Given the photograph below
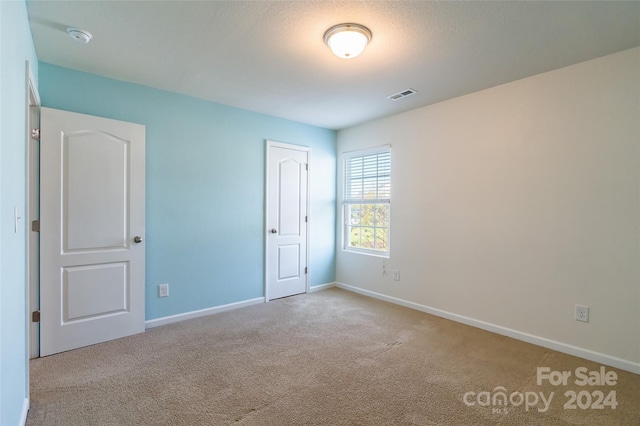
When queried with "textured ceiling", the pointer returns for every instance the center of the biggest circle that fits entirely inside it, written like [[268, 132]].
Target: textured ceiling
[[269, 57]]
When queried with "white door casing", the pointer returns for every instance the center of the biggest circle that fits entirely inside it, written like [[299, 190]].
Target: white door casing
[[33, 214], [92, 198], [287, 201]]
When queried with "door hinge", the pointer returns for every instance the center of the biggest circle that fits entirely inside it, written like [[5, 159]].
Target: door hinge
[[305, 269], [35, 226], [35, 134], [35, 316], [306, 218], [307, 166]]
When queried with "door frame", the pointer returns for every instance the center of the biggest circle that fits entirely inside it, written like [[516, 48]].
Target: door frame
[[32, 209], [273, 144]]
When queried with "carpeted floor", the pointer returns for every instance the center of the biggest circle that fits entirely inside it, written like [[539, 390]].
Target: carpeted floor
[[326, 358]]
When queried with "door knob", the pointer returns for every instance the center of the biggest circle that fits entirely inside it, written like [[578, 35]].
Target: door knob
[[137, 239], [274, 231]]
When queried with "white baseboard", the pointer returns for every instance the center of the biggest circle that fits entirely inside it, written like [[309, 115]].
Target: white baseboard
[[217, 309], [601, 358], [321, 287], [202, 312], [24, 412]]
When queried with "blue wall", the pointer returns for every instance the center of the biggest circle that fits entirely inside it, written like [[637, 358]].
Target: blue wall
[[16, 46], [205, 187]]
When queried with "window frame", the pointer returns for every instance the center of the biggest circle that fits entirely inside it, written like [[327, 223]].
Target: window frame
[[347, 202]]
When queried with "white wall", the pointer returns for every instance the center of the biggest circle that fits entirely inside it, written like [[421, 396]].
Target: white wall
[[512, 204]]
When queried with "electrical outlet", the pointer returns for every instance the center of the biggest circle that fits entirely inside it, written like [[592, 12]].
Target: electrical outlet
[[396, 275], [582, 313], [163, 290]]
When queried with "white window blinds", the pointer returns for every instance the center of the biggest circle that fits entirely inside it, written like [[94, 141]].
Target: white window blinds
[[367, 177]]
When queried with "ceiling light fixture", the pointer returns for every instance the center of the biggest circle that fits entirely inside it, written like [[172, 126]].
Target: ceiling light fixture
[[81, 36], [347, 40]]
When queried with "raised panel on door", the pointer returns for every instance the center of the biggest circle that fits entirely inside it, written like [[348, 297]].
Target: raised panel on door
[[289, 197], [91, 292], [95, 163], [289, 261]]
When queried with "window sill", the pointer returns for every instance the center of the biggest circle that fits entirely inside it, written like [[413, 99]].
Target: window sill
[[366, 253]]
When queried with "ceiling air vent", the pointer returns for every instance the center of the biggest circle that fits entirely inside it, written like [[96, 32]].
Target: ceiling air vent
[[402, 94]]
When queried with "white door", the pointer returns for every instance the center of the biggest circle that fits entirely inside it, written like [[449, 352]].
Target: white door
[[286, 221], [92, 196]]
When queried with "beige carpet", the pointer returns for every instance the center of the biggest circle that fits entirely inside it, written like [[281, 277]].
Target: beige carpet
[[327, 358]]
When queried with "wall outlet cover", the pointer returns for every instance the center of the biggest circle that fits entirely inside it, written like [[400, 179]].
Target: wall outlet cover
[[163, 290], [582, 313]]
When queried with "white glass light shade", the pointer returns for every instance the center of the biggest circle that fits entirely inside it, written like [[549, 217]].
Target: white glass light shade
[[347, 40]]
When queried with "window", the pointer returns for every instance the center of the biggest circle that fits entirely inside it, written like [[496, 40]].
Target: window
[[366, 201]]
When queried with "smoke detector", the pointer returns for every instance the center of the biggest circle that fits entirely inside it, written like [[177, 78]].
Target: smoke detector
[[81, 36]]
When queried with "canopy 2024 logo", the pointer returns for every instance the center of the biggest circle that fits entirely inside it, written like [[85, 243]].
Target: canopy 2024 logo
[[586, 399]]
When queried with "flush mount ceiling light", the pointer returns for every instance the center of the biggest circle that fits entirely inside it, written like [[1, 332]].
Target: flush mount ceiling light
[[81, 36], [347, 40]]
